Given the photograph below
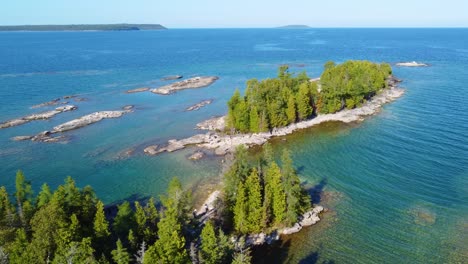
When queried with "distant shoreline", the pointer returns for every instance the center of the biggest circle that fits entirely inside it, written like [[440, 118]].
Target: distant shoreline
[[82, 27]]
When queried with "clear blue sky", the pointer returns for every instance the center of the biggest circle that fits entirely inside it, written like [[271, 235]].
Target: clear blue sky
[[239, 13]]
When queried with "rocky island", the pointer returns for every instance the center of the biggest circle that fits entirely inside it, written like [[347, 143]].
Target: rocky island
[[308, 108], [192, 83], [197, 106], [48, 136], [37, 116]]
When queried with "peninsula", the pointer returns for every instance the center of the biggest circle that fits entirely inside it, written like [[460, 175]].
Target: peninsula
[[84, 27]]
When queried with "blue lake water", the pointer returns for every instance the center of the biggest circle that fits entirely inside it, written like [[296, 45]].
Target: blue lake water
[[396, 184]]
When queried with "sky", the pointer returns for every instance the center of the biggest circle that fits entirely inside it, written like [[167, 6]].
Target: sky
[[239, 13]]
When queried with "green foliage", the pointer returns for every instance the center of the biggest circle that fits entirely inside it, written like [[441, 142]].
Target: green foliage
[[170, 247], [242, 254], [350, 84], [120, 254], [267, 104], [101, 226], [214, 248], [44, 196], [270, 196], [280, 101], [125, 220]]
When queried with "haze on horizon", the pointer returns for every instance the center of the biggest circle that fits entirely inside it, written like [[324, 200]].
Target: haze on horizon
[[240, 13]]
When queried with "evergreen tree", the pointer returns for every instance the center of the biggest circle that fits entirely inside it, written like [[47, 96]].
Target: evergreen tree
[[254, 202], [101, 226], [152, 220], [254, 120], [278, 202], [140, 217], [44, 196], [124, 221], [242, 254], [6, 208], [23, 194], [120, 254], [170, 247], [240, 210], [292, 189], [210, 252], [291, 109], [304, 107]]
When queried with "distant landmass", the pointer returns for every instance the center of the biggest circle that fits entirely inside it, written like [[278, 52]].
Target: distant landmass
[[84, 27], [294, 26]]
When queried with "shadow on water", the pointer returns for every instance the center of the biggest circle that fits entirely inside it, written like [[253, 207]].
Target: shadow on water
[[316, 191], [313, 258], [111, 209], [276, 253]]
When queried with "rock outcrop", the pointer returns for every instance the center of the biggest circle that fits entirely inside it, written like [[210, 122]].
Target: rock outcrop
[[37, 116], [192, 83], [48, 136], [214, 124], [196, 107], [411, 64], [138, 90], [196, 156]]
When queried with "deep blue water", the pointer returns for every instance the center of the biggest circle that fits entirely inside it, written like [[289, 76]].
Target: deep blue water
[[396, 184]]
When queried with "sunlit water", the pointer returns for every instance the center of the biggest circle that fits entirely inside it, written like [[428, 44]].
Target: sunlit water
[[396, 185]]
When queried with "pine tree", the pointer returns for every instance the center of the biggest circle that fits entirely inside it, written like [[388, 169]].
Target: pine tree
[[124, 221], [140, 217], [278, 196], [254, 202], [120, 254], [291, 109], [304, 107], [101, 226], [292, 188], [240, 210], [254, 120], [44, 196], [170, 247], [6, 208], [210, 252], [152, 220], [23, 194], [242, 254]]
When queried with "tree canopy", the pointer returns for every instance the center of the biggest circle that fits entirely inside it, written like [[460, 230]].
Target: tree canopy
[[286, 99]]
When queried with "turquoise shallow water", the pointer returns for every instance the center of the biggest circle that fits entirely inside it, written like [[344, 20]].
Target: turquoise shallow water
[[396, 184]]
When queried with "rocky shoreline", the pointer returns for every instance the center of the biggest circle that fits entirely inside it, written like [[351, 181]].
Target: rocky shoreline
[[192, 83], [222, 143], [48, 136], [197, 106], [38, 116], [209, 209]]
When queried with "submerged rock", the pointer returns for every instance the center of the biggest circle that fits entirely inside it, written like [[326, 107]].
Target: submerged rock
[[411, 64], [37, 116], [151, 150], [199, 105], [192, 83], [138, 90], [21, 138], [171, 77], [53, 102], [197, 155]]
